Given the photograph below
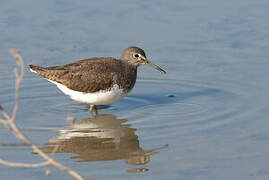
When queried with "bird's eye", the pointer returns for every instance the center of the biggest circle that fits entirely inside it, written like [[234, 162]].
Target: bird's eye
[[136, 55]]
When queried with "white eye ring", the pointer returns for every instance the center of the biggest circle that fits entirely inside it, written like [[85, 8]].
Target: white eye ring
[[137, 55]]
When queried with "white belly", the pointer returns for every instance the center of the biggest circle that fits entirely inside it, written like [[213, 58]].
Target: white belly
[[98, 98]]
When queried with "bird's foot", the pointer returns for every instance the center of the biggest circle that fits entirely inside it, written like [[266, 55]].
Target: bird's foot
[[93, 107]]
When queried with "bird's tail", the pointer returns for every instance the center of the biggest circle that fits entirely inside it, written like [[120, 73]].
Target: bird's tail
[[36, 69]]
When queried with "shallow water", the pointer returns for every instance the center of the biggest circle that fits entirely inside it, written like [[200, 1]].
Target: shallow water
[[207, 118]]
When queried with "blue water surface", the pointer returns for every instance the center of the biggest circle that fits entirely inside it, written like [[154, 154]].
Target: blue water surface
[[207, 118]]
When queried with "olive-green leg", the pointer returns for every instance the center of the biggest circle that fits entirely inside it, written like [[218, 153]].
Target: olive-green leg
[[92, 106]]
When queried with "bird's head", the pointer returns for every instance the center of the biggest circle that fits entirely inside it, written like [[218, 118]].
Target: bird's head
[[136, 56]]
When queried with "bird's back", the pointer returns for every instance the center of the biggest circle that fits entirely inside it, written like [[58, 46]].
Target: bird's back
[[91, 75]]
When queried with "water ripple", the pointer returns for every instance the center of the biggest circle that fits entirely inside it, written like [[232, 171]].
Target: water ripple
[[176, 104]]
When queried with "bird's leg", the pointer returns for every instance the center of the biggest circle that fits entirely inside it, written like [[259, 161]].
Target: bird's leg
[[92, 106], [96, 110]]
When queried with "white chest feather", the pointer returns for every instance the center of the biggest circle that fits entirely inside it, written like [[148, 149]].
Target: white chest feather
[[98, 98]]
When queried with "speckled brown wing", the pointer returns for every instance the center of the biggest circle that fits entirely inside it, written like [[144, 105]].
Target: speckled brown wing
[[89, 75]]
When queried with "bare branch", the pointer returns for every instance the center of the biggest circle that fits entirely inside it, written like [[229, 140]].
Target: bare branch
[[4, 122], [3, 111], [19, 77], [15, 164], [10, 122]]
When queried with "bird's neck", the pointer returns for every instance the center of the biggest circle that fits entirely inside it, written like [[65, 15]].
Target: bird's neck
[[130, 73]]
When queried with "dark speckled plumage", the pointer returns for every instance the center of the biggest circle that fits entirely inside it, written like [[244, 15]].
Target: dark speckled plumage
[[93, 75]]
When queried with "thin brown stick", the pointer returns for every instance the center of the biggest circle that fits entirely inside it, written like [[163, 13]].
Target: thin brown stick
[[15, 164], [3, 111], [10, 122], [19, 77]]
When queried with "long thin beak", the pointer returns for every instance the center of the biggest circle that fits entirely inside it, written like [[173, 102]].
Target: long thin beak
[[154, 66]]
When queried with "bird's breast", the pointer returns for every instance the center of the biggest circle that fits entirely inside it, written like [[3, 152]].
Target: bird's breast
[[102, 97]]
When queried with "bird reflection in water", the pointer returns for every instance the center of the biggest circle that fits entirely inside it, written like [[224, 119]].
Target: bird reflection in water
[[101, 138]]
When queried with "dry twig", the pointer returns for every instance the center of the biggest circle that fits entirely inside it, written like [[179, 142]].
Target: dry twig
[[9, 121]]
